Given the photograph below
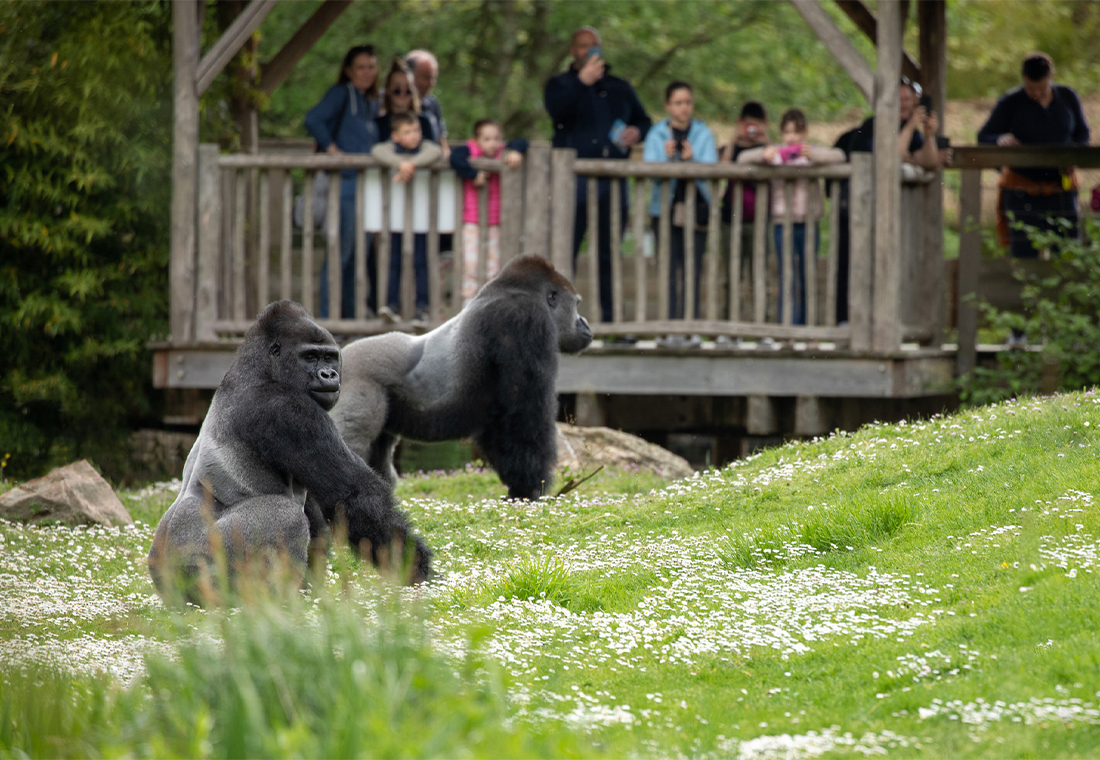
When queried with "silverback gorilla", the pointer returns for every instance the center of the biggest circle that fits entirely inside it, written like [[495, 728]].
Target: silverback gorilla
[[266, 443], [488, 373]]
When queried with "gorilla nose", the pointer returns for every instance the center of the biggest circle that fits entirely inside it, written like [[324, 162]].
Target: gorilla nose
[[329, 376], [582, 325]]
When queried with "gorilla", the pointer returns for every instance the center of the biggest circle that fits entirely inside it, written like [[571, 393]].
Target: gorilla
[[265, 444], [487, 373]]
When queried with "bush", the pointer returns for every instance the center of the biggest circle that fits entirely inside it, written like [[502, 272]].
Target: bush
[[1061, 313], [85, 120]]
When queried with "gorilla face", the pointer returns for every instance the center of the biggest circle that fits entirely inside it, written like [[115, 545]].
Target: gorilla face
[[304, 356], [574, 334]]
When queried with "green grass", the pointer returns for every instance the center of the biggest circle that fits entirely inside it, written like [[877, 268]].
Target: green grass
[[929, 588]]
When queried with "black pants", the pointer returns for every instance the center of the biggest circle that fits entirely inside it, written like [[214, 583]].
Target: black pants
[[1043, 212], [603, 233], [677, 268]]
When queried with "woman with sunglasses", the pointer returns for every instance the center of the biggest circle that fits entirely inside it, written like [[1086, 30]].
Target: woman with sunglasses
[[399, 95], [344, 122]]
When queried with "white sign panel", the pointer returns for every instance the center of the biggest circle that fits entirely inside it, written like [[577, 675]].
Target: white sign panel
[[447, 200]]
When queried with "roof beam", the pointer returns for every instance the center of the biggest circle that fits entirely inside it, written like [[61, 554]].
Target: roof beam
[[274, 72], [222, 52], [839, 45], [866, 22]]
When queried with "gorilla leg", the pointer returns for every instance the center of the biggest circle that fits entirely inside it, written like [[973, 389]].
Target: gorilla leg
[[524, 462], [381, 456]]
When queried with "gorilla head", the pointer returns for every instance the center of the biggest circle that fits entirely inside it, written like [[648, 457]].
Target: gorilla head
[[265, 445], [487, 373]]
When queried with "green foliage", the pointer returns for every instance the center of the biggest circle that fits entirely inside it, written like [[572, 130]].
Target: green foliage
[[84, 129], [1061, 312]]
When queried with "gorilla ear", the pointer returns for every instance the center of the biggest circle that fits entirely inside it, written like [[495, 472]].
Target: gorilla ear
[[552, 297], [275, 348]]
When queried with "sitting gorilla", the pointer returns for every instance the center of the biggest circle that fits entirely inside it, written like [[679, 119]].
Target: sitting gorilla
[[267, 442], [488, 373]]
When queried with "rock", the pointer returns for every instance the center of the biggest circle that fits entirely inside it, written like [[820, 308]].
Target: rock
[[73, 495], [583, 449]]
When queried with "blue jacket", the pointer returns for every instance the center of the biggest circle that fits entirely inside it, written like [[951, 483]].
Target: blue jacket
[[358, 132], [584, 114], [702, 148]]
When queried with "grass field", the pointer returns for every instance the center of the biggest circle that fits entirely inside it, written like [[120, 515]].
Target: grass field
[[922, 590]]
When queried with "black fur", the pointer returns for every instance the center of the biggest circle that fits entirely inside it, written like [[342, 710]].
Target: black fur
[[267, 442], [488, 373]]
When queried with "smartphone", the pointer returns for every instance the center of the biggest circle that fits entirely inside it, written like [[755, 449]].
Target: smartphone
[[926, 101], [595, 51], [942, 141]]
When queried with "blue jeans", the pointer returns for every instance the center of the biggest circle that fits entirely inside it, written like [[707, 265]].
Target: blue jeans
[[347, 259], [420, 268], [798, 261]]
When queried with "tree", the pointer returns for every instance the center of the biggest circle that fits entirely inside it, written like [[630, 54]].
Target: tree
[[85, 135]]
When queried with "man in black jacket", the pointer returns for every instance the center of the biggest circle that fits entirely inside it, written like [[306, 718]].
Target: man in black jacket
[[601, 117]]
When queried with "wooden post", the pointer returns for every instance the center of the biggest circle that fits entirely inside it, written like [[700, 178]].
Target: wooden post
[[885, 331], [860, 258], [186, 38], [563, 209], [970, 257], [536, 215], [932, 21], [210, 230]]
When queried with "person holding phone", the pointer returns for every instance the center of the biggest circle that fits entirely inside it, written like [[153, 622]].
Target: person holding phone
[[600, 116], [916, 132]]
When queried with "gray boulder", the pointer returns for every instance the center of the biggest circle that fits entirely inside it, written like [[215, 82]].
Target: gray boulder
[[72, 495], [585, 448]]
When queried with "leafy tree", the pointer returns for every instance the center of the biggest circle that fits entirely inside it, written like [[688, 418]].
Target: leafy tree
[[85, 136]]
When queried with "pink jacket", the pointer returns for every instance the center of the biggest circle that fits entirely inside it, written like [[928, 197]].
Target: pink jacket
[[805, 196], [470, 203]]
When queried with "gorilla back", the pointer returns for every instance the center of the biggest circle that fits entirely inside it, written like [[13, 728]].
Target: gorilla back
[[488, 372], [265, 444]]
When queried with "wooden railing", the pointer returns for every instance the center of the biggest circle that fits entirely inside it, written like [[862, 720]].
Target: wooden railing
[[249, 253]]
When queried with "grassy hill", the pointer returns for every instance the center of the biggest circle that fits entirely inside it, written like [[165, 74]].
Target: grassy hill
[[922, 589]]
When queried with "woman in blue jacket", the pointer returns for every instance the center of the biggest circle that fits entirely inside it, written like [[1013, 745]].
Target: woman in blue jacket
[[343, 122], [681, 138]]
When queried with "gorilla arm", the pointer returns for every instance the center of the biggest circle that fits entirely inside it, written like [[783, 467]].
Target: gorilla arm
[[296, 437]]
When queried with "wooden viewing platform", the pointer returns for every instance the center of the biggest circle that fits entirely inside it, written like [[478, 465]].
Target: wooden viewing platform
[[234, 249]]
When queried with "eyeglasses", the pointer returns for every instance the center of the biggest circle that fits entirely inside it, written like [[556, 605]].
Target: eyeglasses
[[915, 86]]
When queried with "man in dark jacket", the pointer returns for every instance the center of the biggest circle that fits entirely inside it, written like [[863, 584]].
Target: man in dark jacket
[[601, 117]]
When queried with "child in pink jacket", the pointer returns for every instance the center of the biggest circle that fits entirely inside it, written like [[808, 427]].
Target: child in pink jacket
[[488, 142], [806, 206]]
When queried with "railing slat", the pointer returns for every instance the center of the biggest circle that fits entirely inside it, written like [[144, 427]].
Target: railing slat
[[712, 254], [385, 241], [735, 250], [970, 254], [536, 211], [210, 248], [664, 247], [239, 225], [687, 301], [263, 254], [435, 284], [361, 286], [786, 285], [616, 251], [641, 214], [810, 255], [307, 243], [482, 268], [286, 239], [459, 246], [511, 213], [759, 253], [332, 239], [834, 257], [595, 313], [407, 285], [861, 247]]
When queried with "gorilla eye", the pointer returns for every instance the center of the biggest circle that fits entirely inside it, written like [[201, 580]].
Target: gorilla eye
[[275, 349], [552, 297]]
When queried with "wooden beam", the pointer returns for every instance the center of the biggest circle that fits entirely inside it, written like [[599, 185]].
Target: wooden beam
[[186, 39], [932, 24], [866, 22], [838, 44], [222, 52], [970, 258], [885, 330], [274, 72]]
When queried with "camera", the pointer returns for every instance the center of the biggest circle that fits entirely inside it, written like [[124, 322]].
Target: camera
[[788, 152], [926, 101]]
